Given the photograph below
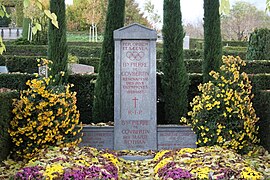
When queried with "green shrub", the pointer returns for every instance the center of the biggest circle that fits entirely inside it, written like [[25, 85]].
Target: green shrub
[[5, 117], [241, 54], [193, 54], [41, 50], [235, 43], [22, 64], [89, 44], [44, 115], [15, 80], [2, 60], [259, 45], [257, 66], [262, 107], [21, 41], [85, 51], [260, 81], [234, 48], [84, 86], [25, 50], [222, 113], [196, 43]]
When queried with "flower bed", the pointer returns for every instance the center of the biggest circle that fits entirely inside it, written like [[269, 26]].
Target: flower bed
[[86, 162]]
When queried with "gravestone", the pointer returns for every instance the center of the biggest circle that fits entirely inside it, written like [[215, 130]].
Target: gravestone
[[186, 42], [43, 71], [80, 69], [3, 69], [135, 88]]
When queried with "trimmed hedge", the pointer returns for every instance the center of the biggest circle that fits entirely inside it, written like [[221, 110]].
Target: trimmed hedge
[[5, 117], [241, 54], [84, 86], [198, 43], [41, 50], [15, 80], [84, 51], [89, 44], [22, 64], [262, 107], [235, 48], [235, 43], [28, 64], [260, 81], [26, 50], [94, 51]]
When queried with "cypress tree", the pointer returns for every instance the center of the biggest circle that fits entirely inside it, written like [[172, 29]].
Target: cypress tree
[[57, 41], [175, 81], [212, 38], [103, 109]]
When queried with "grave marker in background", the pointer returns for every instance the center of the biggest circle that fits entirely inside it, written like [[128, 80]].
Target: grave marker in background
[[135, 88]]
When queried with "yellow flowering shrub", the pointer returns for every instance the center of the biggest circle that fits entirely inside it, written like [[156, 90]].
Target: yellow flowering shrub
[[44, 115], [223, 113]]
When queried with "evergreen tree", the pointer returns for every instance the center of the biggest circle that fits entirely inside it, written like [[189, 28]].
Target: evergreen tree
[[103, 109], [175, 81], [212, 38], [57, 41]]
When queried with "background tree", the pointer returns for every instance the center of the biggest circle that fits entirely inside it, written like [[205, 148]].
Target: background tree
[[36, 15], [194, 29], [81, 14], [103, 109], [57, 42], [175, 81], [133, 14], [212, 38], [153, 15], [242, 19]]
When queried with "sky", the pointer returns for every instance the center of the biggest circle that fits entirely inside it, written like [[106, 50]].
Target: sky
[[192, 10]]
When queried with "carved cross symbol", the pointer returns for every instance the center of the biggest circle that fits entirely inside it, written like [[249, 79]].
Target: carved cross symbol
[[135, 101]]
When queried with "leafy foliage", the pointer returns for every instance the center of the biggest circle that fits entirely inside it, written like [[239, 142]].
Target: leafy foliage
[[259, 45], [223, 113], [240, 22], [175, 80], [44, 115]]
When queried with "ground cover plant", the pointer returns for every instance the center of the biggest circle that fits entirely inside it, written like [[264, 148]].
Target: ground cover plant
[[89, 163]]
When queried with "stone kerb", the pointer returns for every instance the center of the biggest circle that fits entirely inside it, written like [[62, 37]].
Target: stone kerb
[[135, 88]]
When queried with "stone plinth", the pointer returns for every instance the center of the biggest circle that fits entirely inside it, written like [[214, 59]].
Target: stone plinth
[[135, 88]]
